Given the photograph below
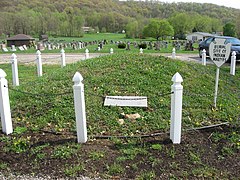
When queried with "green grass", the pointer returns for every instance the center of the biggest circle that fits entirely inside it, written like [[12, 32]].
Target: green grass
[[122, 74], [47, 105]]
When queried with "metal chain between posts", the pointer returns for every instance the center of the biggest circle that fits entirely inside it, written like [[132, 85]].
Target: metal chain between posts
[[127, 99], [136, 136], [41, 95], [51, 58], [25, 62]]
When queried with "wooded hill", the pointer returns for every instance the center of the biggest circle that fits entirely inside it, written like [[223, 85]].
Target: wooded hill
[[66, 17]]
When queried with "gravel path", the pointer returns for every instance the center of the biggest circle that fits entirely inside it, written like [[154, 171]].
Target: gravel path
[[47, 58]]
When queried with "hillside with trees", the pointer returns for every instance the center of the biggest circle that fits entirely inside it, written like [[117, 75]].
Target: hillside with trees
[[67, 17]]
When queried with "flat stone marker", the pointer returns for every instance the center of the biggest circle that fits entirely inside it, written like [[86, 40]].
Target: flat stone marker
[[130, 101]]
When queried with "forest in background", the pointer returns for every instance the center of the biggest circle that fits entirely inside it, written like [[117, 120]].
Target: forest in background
[[67, 17]]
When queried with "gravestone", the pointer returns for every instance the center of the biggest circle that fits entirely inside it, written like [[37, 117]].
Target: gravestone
[[13, 48], [21, 48], [25, 47], [130, 101], [5, 49]]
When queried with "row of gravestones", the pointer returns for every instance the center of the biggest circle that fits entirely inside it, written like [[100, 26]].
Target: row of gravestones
[[80, 45], [13, 48]]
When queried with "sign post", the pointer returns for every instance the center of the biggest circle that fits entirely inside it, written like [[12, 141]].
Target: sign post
[[219, 53]]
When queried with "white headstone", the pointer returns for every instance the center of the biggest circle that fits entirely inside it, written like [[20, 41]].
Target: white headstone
[[130, 101]]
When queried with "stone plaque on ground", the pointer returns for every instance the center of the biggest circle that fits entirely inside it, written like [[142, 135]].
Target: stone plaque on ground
[[130, 101]]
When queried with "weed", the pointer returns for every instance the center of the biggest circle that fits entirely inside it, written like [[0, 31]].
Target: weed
[[96, 155], [72, 170], [3, 166], [18, 145], [204, 172], [131, 152], [147, 175], [38, 151], [154, 161], [63, 152], [171, 152], [157, 147], [226, 151], [115, 169], [194, 158], [20, 130]]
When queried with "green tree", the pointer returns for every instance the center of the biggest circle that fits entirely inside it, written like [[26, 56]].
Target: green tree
[[229, 29], [134, 29], [182, 24], [238, 25], [158, 29]]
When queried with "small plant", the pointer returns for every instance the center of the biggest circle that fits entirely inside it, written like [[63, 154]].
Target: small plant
[[115, 169], [147, 175], [171, 152], [157, 147], [226, 151], [63, 152], [96, 155], [73, 170], [131, 152], [37, 151], [20, 130], [3, 166], [18, 145], [194, 158]]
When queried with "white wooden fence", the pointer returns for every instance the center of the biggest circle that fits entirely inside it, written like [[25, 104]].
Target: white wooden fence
[[80, 112]]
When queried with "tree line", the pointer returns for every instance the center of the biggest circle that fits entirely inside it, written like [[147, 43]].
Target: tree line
[[67, 17]]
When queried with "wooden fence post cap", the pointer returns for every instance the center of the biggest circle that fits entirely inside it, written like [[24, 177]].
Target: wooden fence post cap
[[62, 50], [177, 78], [2, 74], [77, 78]]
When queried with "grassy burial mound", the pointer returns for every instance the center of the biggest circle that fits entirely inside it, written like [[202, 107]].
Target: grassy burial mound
[[44, 121]]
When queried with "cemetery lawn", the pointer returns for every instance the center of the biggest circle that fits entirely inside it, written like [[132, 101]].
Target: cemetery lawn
[[121, 147]]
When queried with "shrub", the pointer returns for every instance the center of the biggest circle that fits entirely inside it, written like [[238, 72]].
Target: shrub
[[143, 46], [122, 45]]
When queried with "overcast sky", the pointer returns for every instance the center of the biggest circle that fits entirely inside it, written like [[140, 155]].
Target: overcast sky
[[228, 3]]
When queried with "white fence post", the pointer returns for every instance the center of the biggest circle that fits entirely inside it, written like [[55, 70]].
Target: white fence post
[[15, 78], [176, 109], [233, 63], [141, 50], [111, 51], [173, 53], [204, 57], [86, 54], [39, 63], [79, 104], [5, 105], [63, 58]]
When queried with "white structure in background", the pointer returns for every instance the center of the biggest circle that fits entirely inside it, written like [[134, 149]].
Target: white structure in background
[[198, 36]]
